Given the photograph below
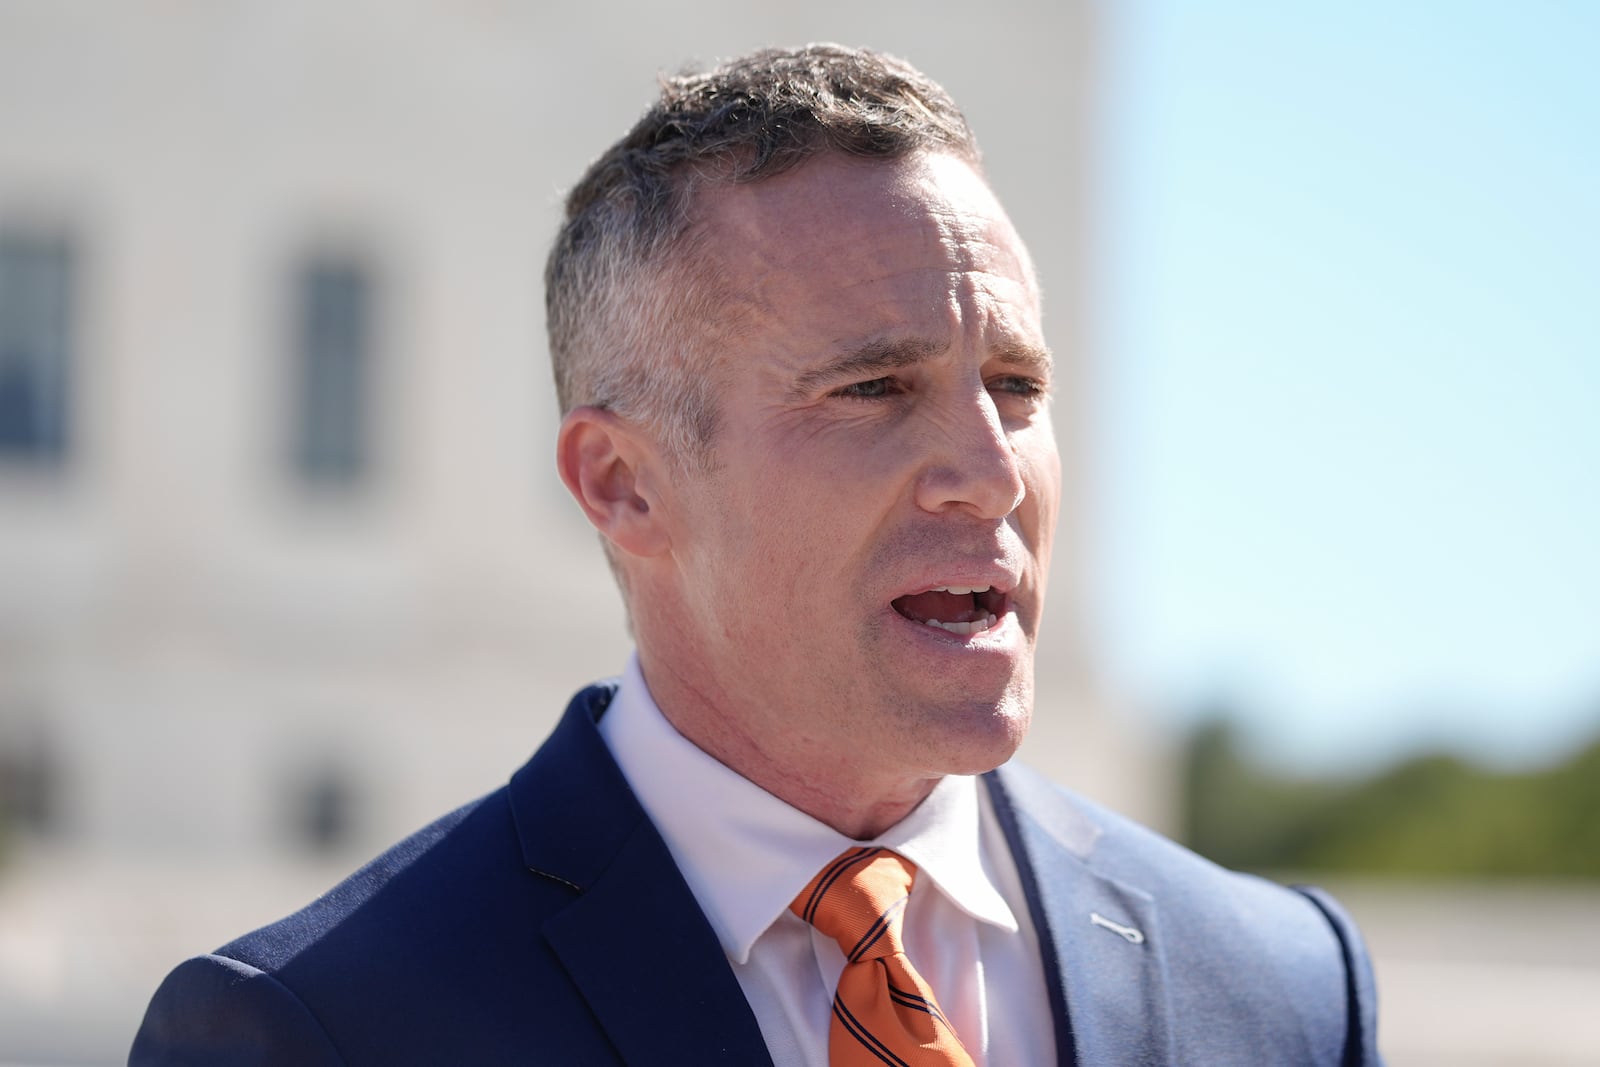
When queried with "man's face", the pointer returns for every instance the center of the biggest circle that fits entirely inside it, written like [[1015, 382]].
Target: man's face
[[857, 583]]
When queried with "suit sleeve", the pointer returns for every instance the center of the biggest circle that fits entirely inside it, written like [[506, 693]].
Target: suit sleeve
[[219, 1012], [1361, 995]]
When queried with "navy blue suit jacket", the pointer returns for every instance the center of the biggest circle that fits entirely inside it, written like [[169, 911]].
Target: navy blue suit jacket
[[548, 924]]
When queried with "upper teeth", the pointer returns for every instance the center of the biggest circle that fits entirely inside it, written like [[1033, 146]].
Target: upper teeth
[[961, 590]]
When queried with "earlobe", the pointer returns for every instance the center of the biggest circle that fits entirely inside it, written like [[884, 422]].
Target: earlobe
[[609, 468]]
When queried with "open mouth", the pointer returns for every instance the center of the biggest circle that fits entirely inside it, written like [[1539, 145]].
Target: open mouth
[[959, 609]]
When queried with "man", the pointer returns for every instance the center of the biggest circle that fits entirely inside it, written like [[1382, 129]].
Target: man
[[798, 347]]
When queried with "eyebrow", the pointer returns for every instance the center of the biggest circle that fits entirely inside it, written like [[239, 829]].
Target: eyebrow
[[875, 357], [867, 360], [1032, 356]]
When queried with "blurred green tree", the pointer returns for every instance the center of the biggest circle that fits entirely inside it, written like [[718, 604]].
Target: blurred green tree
[[1431, 815]]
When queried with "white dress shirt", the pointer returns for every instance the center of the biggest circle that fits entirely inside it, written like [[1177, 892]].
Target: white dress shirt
[[746, 854]]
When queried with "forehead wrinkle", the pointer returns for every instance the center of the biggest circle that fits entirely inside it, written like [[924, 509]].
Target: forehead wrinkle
[[967, 242]]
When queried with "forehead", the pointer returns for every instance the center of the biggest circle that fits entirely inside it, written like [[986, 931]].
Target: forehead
[[843, 251]]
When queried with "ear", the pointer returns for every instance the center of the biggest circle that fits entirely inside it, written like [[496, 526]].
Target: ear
[[612, 470]]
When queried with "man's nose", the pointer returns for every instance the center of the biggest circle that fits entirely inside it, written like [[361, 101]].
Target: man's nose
[[973, 465]]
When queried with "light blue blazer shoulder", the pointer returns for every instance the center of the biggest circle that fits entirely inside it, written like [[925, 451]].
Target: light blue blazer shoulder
[[547, 924]]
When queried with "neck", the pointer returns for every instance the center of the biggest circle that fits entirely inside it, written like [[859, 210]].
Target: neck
[[838, 789]]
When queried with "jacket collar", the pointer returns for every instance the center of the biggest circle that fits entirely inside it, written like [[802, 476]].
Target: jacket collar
[[648, 963]]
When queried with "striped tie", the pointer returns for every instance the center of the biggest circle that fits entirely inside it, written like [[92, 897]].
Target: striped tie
[[883, 1012]]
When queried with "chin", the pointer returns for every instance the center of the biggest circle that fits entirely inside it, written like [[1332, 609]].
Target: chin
[[976, 738]]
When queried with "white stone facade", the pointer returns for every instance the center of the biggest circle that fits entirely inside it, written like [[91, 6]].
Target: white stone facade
[[192, 636]]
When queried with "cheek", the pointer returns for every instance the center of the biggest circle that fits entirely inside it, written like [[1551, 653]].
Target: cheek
[[1042, 475], [794, 510], [767, 528], [1050, 483]]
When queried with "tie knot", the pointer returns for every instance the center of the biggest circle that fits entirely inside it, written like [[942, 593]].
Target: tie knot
[[858, 900]]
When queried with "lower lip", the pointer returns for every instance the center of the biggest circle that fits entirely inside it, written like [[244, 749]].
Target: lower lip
[[1005, 630]]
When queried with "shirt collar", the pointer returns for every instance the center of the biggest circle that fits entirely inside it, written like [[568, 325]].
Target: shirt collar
[[746, 854]]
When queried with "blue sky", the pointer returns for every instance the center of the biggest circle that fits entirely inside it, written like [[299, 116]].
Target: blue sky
[[1349, 341]]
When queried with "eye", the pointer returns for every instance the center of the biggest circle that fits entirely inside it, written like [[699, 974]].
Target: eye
[[872, 389], [1019, 385]]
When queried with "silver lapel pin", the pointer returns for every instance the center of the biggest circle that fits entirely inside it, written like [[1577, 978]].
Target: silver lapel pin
[[1127, 933]]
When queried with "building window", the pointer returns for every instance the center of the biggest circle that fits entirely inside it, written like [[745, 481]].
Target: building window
[[36, 279], [333, 372]]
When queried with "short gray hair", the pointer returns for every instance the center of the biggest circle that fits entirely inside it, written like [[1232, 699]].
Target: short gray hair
[[631, 294]]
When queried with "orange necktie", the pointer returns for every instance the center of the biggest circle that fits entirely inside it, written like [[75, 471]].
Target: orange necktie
[[883, 1012]]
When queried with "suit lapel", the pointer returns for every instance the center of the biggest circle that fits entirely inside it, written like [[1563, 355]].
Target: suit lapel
[[650, 967], [634, 940], [1102, 949]]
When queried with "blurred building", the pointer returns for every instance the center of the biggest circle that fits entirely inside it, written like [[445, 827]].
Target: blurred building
[[284, 568]]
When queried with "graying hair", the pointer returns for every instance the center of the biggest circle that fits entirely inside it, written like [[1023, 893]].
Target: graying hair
[[631, 295]]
